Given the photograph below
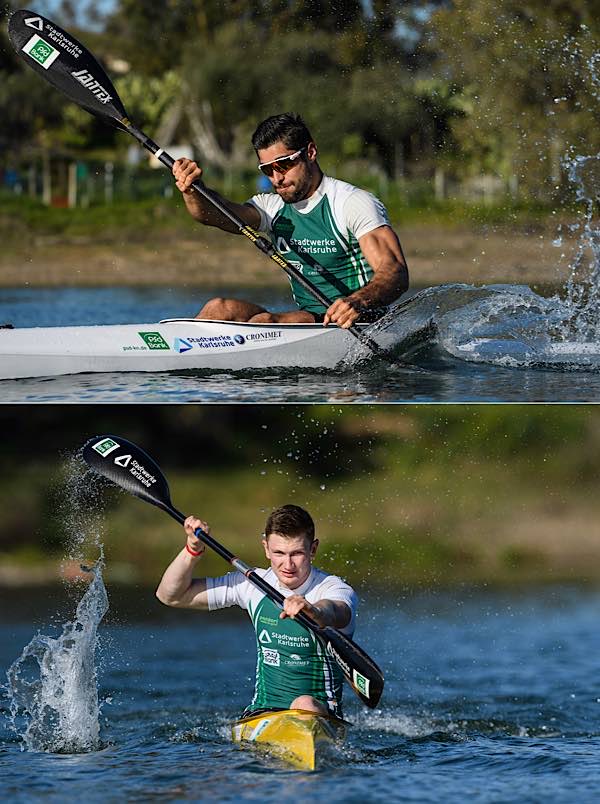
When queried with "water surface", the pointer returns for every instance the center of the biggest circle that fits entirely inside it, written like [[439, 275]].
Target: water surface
[[490, 697], [455, 343]]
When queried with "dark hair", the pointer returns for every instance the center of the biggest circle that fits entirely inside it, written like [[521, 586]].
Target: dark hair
[[290, 521], [288, 128]]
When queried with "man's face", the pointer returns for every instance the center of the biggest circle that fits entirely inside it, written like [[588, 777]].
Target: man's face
[[294, 185], [290, 557]]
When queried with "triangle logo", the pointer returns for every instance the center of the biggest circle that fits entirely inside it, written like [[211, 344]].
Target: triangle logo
[[35, 22], [123, 460], [264, 637], [282, 246], [181, 345]]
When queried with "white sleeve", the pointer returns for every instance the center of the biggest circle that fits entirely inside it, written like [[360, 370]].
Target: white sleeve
[[334, 588], [364, 212], [228, 590], [267, 204]]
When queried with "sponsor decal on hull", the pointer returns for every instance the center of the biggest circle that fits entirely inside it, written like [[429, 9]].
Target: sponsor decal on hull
[[213, 341], [268, 335], [154, 340], [181, 345]]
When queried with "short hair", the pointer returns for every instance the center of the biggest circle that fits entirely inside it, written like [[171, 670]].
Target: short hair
[[290, 521], [288, 128]]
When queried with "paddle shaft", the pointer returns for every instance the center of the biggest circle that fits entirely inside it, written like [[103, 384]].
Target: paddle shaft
[[242, 567], [263, 243]]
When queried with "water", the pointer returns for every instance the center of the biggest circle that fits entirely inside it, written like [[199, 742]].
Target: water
[[52, 685], [491, 696], [459, 343]]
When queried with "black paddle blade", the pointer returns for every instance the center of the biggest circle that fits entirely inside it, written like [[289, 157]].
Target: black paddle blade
[[66, 64], [360, 671], [129, 467]]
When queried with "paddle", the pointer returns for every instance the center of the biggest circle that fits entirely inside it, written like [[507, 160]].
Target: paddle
[[129, 467], [69, 66]]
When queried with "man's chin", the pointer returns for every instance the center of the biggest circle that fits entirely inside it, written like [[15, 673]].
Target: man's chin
[[290, 196]]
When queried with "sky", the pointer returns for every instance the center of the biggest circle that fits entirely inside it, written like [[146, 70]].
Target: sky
[[48, 7]]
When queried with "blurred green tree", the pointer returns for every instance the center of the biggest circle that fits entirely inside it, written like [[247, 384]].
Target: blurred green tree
[[527, 90]]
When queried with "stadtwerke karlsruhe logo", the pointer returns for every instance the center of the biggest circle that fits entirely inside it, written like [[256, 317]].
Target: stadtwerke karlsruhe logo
[[181, 345], [39, 50]]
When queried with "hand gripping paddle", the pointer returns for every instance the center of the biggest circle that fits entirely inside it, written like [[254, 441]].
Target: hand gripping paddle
[[63, 61], [129, 467]]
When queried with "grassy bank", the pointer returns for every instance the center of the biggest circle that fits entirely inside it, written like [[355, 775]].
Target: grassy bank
[[156, 243], [402, 498]]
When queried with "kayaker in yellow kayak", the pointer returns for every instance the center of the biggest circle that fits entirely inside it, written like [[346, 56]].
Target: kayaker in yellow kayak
[[338, 235], [293, 671]]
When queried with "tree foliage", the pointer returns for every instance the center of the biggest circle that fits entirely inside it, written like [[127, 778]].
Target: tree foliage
[[526, 87], [490, 87]]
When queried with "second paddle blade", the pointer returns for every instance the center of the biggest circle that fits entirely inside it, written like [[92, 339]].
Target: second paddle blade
[[129, 467], [361, 672]]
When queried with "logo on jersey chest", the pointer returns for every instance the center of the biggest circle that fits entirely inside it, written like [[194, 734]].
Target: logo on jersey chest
[[264, 637], [271, 657]]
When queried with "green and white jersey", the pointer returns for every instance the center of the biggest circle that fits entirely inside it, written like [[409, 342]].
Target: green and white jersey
[[290, 660], [320, 235]]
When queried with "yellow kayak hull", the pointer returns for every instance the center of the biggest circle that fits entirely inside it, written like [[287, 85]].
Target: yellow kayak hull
[[296, 736]]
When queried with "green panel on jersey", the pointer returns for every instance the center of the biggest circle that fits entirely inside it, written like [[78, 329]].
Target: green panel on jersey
[[310, 241], [291, 662]]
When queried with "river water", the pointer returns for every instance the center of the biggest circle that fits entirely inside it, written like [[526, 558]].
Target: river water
[[457, 343], [491, 697]]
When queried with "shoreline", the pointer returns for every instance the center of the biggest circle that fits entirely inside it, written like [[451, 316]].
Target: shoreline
[[435, 254]]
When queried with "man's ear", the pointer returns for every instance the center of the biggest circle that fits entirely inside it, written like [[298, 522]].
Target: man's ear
[[265, 544], [313, 548]]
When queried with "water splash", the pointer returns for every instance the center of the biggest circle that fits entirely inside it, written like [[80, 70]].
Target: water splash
[[52, 686], [582, 300]]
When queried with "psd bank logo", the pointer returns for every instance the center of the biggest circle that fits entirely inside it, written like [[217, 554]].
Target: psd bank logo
[[239, 339], [181, 345]]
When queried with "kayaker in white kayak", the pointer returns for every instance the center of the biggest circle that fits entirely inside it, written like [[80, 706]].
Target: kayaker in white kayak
[[293, 672], [337, 235]]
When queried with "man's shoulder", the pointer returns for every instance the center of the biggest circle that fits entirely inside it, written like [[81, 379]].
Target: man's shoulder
[[343, 188], [266, 202], [322, 578], [333, 186]]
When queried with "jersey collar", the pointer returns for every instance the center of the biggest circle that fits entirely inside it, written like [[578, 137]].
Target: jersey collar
[[308, 204], [300, 590]]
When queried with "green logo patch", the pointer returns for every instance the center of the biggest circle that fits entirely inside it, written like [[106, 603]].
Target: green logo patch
[[41, 51], [105, 446], [361, 683], [154, 340]]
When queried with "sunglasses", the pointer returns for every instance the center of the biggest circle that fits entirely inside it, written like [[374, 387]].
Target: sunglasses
[[282, 164]]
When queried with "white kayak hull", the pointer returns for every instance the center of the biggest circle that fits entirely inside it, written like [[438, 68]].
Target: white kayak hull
[[170, 345]]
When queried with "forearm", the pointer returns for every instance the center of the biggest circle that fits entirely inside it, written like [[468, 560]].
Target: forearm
[[178, 588], [389, 282], [206, 213], [332, 613]]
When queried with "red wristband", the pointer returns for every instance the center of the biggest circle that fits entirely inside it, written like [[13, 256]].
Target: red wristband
[[191, 552]]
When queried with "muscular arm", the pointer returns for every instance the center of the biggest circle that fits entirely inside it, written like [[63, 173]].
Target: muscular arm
[[177, 587], [382, 250], [324, 612], [186, 172]]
